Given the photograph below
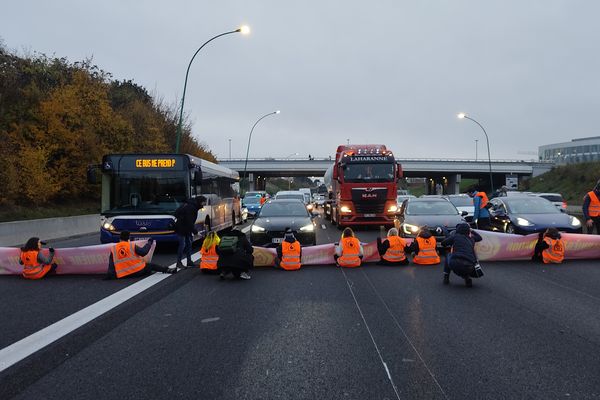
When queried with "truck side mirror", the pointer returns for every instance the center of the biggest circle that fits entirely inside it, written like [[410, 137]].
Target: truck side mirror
[[399, 173]]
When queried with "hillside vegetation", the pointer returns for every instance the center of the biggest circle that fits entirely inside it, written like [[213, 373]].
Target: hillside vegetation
[[56, 117], [573, 181]]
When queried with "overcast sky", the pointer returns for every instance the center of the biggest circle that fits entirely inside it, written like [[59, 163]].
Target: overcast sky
[[392, 72]]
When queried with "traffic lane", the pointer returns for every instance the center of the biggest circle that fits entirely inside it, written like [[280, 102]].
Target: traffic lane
[[492, 340], [281, 335]]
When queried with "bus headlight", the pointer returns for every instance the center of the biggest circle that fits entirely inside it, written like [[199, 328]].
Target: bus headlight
[[575, 221], [108, 226], [345, 209], [308, 228], [257, 229], [410, 229]]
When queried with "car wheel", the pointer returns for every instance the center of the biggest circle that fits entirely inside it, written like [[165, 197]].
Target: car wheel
[[510, 228]]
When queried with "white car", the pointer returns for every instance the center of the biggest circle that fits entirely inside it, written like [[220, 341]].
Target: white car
[[294, 194], [463, 202], [554, 198]]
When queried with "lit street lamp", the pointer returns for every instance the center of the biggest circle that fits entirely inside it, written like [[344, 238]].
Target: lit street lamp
[[244, 30], [463, 116], [250, 137]]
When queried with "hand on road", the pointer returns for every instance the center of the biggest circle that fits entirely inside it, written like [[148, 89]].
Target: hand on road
[[589, 223]]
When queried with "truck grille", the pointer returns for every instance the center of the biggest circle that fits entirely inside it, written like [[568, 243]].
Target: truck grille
[[369, 201]]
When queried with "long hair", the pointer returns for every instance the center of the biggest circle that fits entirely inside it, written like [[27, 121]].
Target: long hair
[[212, 239], [32, 244], [348, 232]]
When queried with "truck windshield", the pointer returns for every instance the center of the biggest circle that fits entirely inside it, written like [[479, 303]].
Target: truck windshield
[[376, 172], [147, 192]]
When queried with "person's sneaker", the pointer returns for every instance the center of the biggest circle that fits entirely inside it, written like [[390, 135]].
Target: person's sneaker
[[468, 282], [172, 270], [446, 279], [180, 265], [245, 275]]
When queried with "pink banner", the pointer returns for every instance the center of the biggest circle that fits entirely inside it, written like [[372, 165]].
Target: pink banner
[[76, 260]]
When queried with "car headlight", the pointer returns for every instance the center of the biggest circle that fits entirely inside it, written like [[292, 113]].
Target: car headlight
[[256, 228], [345, 209], [309, 206], [523, 222], [308, 228], [393, 208], [410, 229], [108, 226], [575, 221]]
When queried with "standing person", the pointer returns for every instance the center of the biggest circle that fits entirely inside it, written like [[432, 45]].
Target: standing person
[[349, 252], [591, 209], [185, 228], [549, 248], [235, 255], [35, 264], [210, 258], [392, 249], [127, 259], [289, 252], [424, 248], [481, 214], [462, 259], [263, 199]]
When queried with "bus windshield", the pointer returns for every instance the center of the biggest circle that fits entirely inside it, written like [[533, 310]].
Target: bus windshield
[[373, 172], [144, 192]]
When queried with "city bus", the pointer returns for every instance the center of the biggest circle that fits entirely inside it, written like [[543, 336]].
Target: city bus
[[140, 193]]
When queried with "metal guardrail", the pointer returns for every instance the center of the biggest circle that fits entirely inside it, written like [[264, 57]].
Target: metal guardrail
[[545, 162]]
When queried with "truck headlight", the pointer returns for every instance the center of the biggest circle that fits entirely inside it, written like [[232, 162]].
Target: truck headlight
[[410, 229], [345, 209], [523, 222], [393, 208], [256, 228]]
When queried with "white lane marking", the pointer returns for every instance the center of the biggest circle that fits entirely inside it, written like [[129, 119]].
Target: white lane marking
[[371, 335], [246, 229], [213, 319], [17, 351], [405, 334]]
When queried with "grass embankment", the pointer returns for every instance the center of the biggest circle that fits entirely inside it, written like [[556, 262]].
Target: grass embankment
[[20, 213], [572, 181]]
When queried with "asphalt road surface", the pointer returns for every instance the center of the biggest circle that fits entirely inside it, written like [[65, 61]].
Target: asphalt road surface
[[523, 331]]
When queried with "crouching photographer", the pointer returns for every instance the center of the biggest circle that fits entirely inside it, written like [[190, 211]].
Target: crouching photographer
[[462, 259]]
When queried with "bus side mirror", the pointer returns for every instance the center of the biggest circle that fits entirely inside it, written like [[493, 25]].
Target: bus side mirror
[[91, 174], [198, 178]]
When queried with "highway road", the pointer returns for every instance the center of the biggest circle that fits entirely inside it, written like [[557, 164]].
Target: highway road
[[523, 331]]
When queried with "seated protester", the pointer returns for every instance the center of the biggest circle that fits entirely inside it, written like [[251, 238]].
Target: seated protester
[[349, 252], [424, 248], [126, 259], [208, 251], [35, 264], [392, 249], [549, 248], [235, 255], [462, 259], [289, 252]]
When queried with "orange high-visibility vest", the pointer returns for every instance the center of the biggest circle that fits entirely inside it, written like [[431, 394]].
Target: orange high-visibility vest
[[594, 207], [484, 199], [555, 254], [125, 260], [290, 256], [31, 268], [350, 253], [263, 200], [395, 252], [427, 254], [209, 258]]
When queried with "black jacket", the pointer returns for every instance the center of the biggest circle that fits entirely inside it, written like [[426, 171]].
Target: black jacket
[[463, 241], [186, 216], [242, 258]]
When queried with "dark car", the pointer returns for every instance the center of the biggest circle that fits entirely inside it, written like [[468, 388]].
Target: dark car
[[439, 214], [275, 216], [529, 214]]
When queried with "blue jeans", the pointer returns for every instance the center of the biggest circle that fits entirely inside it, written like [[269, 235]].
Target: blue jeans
[[185, 246]]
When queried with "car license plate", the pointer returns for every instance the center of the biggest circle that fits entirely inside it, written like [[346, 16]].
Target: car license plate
[[277, 240], [369, 215]]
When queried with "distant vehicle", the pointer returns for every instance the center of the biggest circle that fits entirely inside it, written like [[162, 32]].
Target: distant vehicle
[[140, 193], [554, 198], [463, 202], [290, 195], [244, 214], [252, 204], [275, 216], [440, 216], [529, 214], [402, 192], [400, 198], [318, 199], [363, 182], [307, 194]]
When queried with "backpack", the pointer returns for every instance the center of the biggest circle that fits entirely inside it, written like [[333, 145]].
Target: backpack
[[228, 245]]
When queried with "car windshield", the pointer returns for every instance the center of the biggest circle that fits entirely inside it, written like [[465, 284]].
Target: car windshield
[[290, 197], [251, 200], [377, 172], [552, 197], [284, 209], [431, 208], [461, 201], [531, 205]]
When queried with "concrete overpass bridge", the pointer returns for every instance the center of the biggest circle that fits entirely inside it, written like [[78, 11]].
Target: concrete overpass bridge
[[448, 172]]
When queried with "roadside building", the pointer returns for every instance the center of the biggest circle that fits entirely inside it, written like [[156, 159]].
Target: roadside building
[[575, 151]]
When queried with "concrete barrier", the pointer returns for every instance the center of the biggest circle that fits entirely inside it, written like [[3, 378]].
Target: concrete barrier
[[16, 233]]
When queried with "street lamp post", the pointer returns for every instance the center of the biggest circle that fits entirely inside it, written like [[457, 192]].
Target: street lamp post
[[487, 139], [230, 149], [244, 30], [476, 148], [250, 137]]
